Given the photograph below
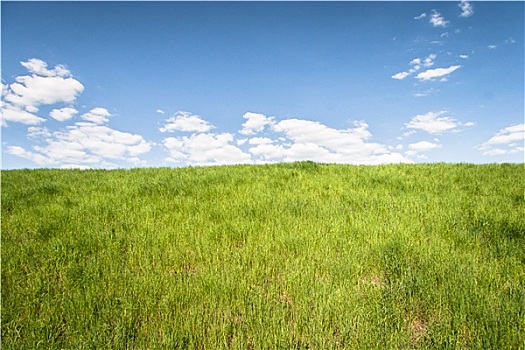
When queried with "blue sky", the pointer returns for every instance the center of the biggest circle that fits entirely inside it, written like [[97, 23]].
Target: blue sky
[[134, 84]]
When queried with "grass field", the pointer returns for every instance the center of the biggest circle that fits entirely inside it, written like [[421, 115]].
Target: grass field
[[284, 256]]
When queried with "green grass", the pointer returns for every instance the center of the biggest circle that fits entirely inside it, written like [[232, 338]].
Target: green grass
[[302, 256]]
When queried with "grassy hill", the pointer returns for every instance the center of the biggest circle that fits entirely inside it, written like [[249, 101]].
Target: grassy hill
[[281, 256]]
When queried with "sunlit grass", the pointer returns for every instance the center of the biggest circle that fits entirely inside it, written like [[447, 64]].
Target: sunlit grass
[[281, 256]]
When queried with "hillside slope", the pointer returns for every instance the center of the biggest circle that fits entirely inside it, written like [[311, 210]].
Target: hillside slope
[[281, 256]]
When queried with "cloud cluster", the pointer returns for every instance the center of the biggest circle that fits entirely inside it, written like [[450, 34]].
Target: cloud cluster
[[416, 64], [271, 140], [44, 86], [508, 140], [427, 75], [86, 143]]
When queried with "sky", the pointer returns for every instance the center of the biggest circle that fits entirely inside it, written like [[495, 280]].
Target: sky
[[156, 84]]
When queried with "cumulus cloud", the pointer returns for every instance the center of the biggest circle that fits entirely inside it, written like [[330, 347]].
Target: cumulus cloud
[[34, 90], [36, 132], [185, 121], [32, 156], [205, 149], [39, 67], [255, 123], [280, 140], [435, 123], [421, 16], [63, 114], [421, 147], [437, 20], [11, 113], [89, 143], [310, 140], [97, 115], [83, 143], [508, 140], [467, 9], [432, 74], [43, 87], [400, 75]]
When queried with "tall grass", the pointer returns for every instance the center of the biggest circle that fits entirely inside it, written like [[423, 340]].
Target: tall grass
[[281, 256]]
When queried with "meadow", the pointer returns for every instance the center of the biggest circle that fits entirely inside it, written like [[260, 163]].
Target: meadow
[[284, 256]]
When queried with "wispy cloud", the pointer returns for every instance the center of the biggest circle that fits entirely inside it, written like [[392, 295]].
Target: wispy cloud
[[432, 74], [508, 140], [421, 16], [416, 149], [492, 47], [467, 9], [416, 64], [435, 123]]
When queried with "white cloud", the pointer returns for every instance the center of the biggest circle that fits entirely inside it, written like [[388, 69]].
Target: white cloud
[[97, 115], [255, 123], [416, 65], [44, 87], [22, 153], [421, 147], [466, 8], [285, 140], [160, 111], [429, 61], [423, 93], [83, 143], [36, 132], [63, 114], [260, 141], [437, 20], [15, 114], [508, 140], [36, 90], [39, 67], [433, 123], [184, 121], [431, 74], [401, 75], [309, 140], [463, 56], [205, 149], [421, 16], [492, 47]]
